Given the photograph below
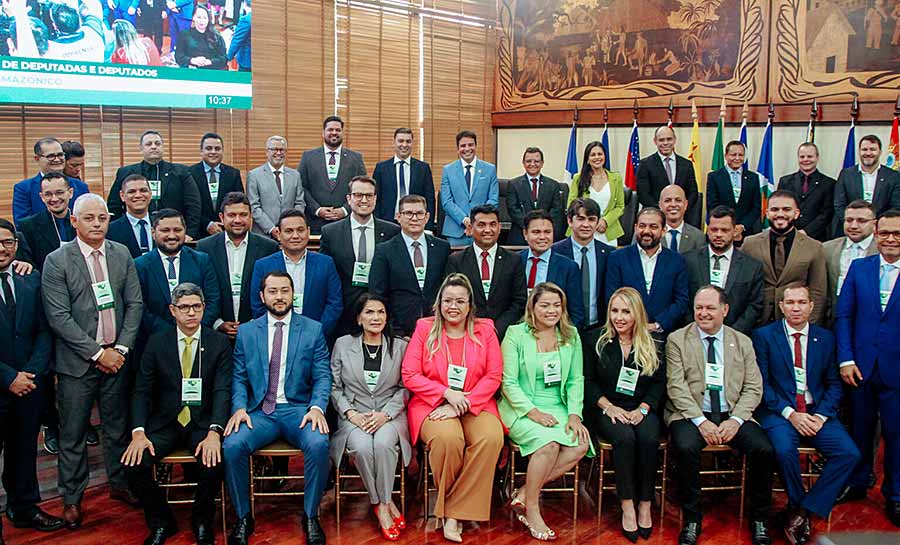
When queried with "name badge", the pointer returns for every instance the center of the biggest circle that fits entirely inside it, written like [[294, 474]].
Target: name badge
[[737, 192], [361, 273], [103, 295], [867, 195], [648, 284], [298, 302], [191, 391], [486, 287], [840, 284], [235, 284], [456, 377], [332, 171], [715, 376], [717, 278], [800, 377], [627, 382], [420, 276], [371, 379], [155, 186], [552, 372], [214, 191], [173, 283], [885, 297]]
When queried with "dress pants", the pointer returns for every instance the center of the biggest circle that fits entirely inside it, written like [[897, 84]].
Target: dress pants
[[283, 423], [750, 440], [635, 454], [463, 453], [50, 416], [841, 456], [866, 401], [459, 241], [21, 423], [209, 479], [151, 24], [75, 397], [375, 456]]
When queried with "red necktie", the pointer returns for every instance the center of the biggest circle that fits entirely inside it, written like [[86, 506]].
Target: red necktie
[[534, 189], [805, 188], [532, 274], [485, 270], [798, 362]]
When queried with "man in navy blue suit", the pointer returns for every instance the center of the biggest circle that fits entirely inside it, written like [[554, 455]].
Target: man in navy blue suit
[[133, 228], [542, 264], [50, 157], [801, 394], [657, 273], [317, 286], [590, 256], [402, 175], [867, 327], [279, 393]]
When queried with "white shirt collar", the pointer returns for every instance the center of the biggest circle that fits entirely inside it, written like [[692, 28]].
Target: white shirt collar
[[354, 224], [790, 330], [463, 163], [664, 157], [195, 336], [730, 170], [643, 253], [243, 243], [543, 257], [680, 227], [409, 240], [286, 319], [87, 250], [289, 260], [882, 262], [337, 151], [492, 251], [864, 173], [578, 246], [719, 335], [207, 167], [134, 219], [864, 243], [727, 253], [273, 169], [408, 160], [165, 257]]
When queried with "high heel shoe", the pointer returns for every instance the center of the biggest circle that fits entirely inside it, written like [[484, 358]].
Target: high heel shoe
[[514, 504], [400, 522], [390, 534], [549, 535], [645, 533], [630, 535], [454, 534]]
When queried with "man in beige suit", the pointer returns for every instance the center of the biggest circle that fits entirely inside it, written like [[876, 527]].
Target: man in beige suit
[[714, 384], [788, 256], [859, 241]]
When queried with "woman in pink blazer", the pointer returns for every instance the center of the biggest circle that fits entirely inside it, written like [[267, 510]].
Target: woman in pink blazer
[[452, 369]]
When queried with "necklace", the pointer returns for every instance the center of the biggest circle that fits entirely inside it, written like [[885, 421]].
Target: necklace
[[372, 355]]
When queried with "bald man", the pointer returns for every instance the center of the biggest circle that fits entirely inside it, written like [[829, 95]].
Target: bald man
[[665, 168], [680, 236]]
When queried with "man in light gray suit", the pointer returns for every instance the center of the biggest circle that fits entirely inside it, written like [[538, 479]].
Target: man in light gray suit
[[273, 188], [859, 241], [92, 299], [326, 173]]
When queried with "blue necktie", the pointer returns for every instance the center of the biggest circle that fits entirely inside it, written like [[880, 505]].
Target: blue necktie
[[884, 285], [172, 275], [63, 230], [144, 240], [469, 177], [402, 178], [673, 240]]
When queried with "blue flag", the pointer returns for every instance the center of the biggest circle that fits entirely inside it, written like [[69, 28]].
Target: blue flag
[[766, 171], [605, 141], [572, 157], [850, 150], [743, 139]]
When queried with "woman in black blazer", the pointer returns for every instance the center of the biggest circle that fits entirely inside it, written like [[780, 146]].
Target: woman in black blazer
[[622, 406]]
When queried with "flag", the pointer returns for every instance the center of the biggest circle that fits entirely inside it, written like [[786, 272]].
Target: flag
[[893, 155], [765, 170], [811, 132], [718, 158], [572, 157], [634, 159], [605, 141], [850, 150], [694, 155], [743, 139]]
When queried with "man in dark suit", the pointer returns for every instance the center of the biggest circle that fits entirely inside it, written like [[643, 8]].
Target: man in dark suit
[[657, 273], [665, 168], [738, 189], [133, 228], [495, 273], [47, 229], [171, 264], [351, 243], [393, 180], [590, 256], [214, 180], [233, 254], [531, 191], [50, 157], [858, 241], [814, 191], [171, 185], [326, 172], [801, 394], [409, 268], [92, 299], [24, 374], [317, 287], [184, 405], [868, 180], [724, 266], [542, 264]]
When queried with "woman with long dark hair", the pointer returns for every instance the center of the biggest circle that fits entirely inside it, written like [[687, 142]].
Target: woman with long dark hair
[[605, 187], [201, 46]]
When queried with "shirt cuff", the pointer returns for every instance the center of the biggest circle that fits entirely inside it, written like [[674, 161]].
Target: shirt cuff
[[96, 356], [217, 323], [787, 412], [846, 363], [139, 428], [317, 210], [823, 417], [698, 420], [740, 421], [122, 348], [311, 407], [208, 225]]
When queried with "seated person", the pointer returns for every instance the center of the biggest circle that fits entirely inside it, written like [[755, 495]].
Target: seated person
[[200, 46]]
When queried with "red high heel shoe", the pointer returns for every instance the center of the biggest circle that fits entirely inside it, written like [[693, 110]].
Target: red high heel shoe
[[390, 534], [400, 522]]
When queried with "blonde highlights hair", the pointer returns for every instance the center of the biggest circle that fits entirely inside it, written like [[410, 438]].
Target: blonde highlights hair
[[564, 327], [643, 345], [433, 342]]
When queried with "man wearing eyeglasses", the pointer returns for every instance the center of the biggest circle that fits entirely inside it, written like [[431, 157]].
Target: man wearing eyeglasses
[[351, 243], [49, 156], [273, 188], [180, 406], [867, 325], [858, 241], [46, 230]]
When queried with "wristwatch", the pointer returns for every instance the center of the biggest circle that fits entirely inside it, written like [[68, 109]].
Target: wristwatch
[[217, 428], [644, 411]]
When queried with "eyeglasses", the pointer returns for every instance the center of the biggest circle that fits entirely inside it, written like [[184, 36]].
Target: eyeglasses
[[884, 235], [277, 150], [196, 307], [457, 302], [52, 156], [9, 243], [58, 194], [413, 214], [362, 196]]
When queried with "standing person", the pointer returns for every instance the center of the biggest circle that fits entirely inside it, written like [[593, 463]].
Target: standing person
[[74, 159], [367, 391], [402, 175], [814, 192], [665, 167], [214, 181], [625, 382], [50, 157], [240, 47], [867, 324], [150, 21], [465, 183], [738, 189], [679, 236], [452, 369], [133, 228], [542, 397], [274, 188], [92, 298], [605, 188], [200, 46], [868, 180], [531, 191], [165, 415], [180, 15], [326, 172], [858, 241], [46, 230]]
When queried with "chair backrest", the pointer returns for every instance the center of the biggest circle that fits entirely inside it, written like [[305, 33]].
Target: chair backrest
[[503, 190], [629, 216]]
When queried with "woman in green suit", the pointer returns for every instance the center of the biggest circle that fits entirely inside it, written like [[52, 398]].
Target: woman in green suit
[[605, 187], [543, 392]]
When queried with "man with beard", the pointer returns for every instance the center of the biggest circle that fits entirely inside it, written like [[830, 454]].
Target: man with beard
[[788, 257], [214, 180], [46, 230], [680, 236], [724, 266], [858, 241], [402, 175], [868, 180], [171, 185], [326, 173], [267, 407], [133, 228], [657, 273], [50, 157], [814, 192]]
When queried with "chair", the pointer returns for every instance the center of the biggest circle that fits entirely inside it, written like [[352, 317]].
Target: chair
[[162, 475], [629, 216], [808, 473], [719, 474], [340, 491], [603, 472], [573, 473], [277, 449], [425, 476]]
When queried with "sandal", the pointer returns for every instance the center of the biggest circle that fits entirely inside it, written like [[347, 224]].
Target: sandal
[[514, 504], [549, 535]]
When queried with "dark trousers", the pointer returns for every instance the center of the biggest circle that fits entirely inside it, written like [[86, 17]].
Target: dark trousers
[[151, 23], [635, 454], [50, 417], [750, 440], [20, 423], [209, 479], [867, 401]]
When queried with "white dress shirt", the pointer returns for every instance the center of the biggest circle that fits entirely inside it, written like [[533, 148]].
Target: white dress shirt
[[492, 254], [668, 238], [370, 236], [423, 246], [337, 157], [804, 344], [474, 168], [406, 174], [86, 251], [869, 181], [165, 265], [280, 171], [282, 363], [297, 271], [236, 256], [136, 228], [648, 264], [719, 348], [853, 250], [9, 280]]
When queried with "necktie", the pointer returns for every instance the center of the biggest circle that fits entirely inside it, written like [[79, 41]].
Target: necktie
[[401, 170], [715, 404], [586, 283], [469, 177], [332, 162], [187, 365], [534, 189], [779, 255], [107, 317], [532, 274], [670, 173], [278, 180], [362, 251], [485, 269], [673, 240], [213, 179], [61, 228], [717, 266], [798, 363], [145, 240], [884, 284], [9, 301], [418, 261], [172, 275], [268, 405], [805, 188]]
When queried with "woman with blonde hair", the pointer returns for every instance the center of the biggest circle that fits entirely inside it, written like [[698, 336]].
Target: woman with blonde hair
[[132, 48], [543, 394], [625, 380], [452, 369], [604, 187]]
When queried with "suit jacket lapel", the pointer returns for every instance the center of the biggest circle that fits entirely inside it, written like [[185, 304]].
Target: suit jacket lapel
[[347, 241], [737, 262], [432, 274], [767, 255], [342, 168], [732, 380], [78, 258], [500, 266], [792, 258], [356, 361], [638, 269], [471, 267], [293, 354], [159, 276]]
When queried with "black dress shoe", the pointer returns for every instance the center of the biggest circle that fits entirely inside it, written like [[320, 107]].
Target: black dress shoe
[[313, 530], [51, 441], [796, 529], [92, 438], [39, 521], [645, 533], [243, 529], [690, 532], [204, 534], [158, 536], [630, 535], [759, 533], [852, 493], [124, 495]]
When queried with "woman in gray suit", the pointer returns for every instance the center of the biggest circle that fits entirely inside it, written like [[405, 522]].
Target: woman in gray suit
[[369, 395]]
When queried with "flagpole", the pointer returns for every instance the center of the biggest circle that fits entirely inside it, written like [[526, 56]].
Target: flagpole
[[850, 148], [604, 139], [743, 135], [813, 116]]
